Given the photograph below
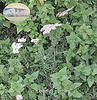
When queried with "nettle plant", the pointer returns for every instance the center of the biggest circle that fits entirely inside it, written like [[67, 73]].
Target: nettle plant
[[52, 54]]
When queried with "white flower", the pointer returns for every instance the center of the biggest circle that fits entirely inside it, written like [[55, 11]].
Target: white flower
[[64, 12], [56, 24], [49, 27], [22, 40], [16, 47], [44, 57], [19, 97], [35, 40]]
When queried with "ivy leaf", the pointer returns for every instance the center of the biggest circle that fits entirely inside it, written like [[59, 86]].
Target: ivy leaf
[[76, 94], [56, 83], [26, 28], [86, 70], [2, 89], [11, 69], [35, 86], [29, 48], [35, 75], [66, 84], [76, 84], [15, 78], [6, 24], [94, 71], [19, 29], [6, 49], [90, 80], [94, 23], [1, 16]]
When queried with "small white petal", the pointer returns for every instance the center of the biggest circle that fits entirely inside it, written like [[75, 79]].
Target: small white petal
[[35, 40], [44, 57], [13, 45], [19, 97], [15, 51], [22, 40], [56, 24]]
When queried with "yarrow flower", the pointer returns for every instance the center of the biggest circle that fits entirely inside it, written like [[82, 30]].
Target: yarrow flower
[[16, 47], [44, 57], [49, 27], [22, 40], [35, 40], [19, 97], [64, 12]]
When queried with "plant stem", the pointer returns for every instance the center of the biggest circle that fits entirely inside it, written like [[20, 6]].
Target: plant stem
[[54, 53], [43, 94]]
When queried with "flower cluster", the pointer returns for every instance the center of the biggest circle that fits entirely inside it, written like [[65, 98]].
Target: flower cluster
[[19, 97], [49, 27], [16, 47], [64, 12], [35, 40]]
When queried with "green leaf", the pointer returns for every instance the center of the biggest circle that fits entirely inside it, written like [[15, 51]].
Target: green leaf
[[26, 28], [90, 81], [83, 77], [94, 71], [70, 93], [35, 75], [63, 71], [11, 69], [77, 94], [56, 83], [1, 17], [66, 84], [56, 1], [2, 89], [40, 97], [94, 23], [6, 24], [64, 77], [35, 86], [19, 29], [95, 78], [86, 70], [29, 48], [76, 84], [92, 50], [54, 76], [32, 95], [15, 78], [64, 96], [7, 41], [15, 65], [6, 49]]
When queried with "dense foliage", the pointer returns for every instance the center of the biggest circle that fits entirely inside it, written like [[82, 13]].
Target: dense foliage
[[63, 64]]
